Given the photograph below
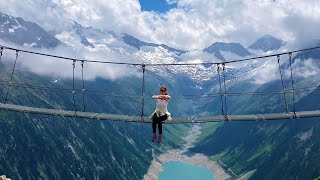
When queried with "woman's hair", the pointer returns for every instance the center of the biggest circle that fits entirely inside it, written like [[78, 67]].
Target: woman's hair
[[164, 87]]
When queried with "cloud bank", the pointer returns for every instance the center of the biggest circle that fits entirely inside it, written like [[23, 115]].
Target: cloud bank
[[194, 24], [61, 68]]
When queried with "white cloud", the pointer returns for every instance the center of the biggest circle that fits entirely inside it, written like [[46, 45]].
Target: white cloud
[[305, 68], [60, 68], [266, 73], [194, 24], [172, 1]]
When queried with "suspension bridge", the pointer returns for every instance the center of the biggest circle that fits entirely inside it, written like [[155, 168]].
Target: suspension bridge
[[141, 118]]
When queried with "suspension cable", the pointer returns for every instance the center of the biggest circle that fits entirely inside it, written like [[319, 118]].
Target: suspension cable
[[225, 93], [83, 89], [221, 98], [63, 90], [165, 64], [1, 50], [67, 90], [283, 89], [11, 77], [142, 92], [73, 89], [292, 85]]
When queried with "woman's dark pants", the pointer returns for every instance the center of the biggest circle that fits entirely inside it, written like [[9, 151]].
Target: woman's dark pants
[[158, 120]]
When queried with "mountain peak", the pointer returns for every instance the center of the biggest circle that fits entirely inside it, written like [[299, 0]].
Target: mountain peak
[[235, 48], [267, 43], [25, 33], [134, 42]]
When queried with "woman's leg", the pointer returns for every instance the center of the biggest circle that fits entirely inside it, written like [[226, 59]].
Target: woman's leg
[[154, 123], [161, 119], [154, 127]]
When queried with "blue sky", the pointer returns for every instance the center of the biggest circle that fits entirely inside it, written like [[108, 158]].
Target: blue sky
[[160, 6]]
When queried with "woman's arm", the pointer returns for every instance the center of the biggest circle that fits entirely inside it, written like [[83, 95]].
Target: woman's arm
[[164, 97], [155, 97]]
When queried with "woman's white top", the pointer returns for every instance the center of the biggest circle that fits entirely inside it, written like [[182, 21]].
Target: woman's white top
[[161, 106]]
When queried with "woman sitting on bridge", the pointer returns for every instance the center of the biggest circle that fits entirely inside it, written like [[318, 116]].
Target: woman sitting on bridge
[[161, 113]]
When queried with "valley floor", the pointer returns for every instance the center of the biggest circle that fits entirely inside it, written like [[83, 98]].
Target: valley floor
[[182, 155]]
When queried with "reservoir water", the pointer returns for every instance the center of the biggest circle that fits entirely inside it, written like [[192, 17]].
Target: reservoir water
[[179, 170]]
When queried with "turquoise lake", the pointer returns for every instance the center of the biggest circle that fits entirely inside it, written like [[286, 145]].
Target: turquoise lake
[[179, 170]]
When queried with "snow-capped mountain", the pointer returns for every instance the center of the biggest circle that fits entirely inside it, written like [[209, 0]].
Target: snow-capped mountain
[[134, 42], [128, 48], [78, 36], [124, 45], [219, 47], [25, 33], [267, 43]]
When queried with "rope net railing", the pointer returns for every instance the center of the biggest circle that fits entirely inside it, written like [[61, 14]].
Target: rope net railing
[[222, 94]]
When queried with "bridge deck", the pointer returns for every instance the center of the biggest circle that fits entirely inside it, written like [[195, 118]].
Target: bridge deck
[[127, 118]]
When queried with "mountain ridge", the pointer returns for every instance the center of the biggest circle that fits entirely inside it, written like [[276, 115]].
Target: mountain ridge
[[267, 43], [235, 48], [27, 33]]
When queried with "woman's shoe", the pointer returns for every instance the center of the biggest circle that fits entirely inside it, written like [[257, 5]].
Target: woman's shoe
[[160, 138], [154, 137]]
